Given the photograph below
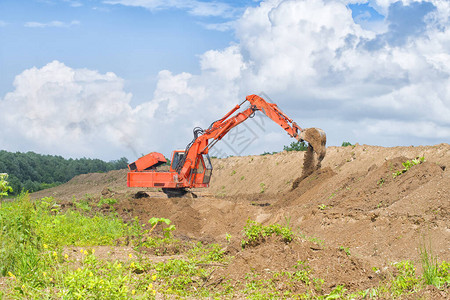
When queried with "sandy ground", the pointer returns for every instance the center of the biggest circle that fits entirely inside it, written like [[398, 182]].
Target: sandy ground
[[351, 202]]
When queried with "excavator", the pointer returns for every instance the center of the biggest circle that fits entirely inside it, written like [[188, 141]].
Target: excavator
[[192, 168]]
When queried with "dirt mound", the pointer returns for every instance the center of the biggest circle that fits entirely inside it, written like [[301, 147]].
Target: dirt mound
[[87, 184], [306, 183], [300, 258], [378, 188], [353, 202]]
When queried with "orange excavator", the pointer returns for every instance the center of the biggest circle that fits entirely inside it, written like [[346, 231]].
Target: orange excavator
[[192, 168]]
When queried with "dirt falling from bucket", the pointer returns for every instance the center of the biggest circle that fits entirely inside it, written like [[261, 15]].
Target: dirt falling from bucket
[[309, 166]]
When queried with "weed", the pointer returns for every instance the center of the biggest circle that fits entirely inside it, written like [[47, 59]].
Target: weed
[[82, 204], [262, 188], [242, 177], [380, 182], [302, 272], [408, 164], [255, 233], [4, 186], [233, 172], [107, 201], [406, 281], [167, 231], [433, 273], [228, 237], [315, 240], [322, 206], [337, 293], [345, 249]]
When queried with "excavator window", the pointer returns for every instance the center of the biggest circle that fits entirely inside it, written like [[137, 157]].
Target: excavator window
[[177, 156], [208, 167], [201, 167]]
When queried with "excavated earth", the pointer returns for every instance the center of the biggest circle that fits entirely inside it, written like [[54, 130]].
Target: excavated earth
[[352, 202]]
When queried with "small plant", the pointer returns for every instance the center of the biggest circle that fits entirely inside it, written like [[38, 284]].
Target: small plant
[[228, 237], [4, 186], [346, 144], [296, 146], [433, 273], [242, 177], [167, 231], [380, 182], [337, 293], [408, 164], [255, 233], [83, 205], [322, 206], [345, 249], [233, 172], [406, 281], [262, 188], [107, 201], [302, 272]]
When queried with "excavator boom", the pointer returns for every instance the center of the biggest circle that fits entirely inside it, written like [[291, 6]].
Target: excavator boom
[[192, 167]]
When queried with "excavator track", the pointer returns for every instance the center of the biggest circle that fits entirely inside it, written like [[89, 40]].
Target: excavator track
[[178, 193]]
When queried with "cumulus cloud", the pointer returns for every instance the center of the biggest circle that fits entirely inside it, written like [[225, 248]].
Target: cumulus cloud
[[56, 109], [51, 24], [316, 62], [310, 56]]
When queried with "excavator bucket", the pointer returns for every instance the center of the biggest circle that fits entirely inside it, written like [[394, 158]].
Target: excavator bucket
[[317, 139]]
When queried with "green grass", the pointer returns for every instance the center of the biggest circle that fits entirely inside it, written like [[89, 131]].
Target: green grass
[[433, 273], [37, 263]]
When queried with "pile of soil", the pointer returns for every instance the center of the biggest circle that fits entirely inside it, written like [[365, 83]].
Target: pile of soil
[[353, 201]]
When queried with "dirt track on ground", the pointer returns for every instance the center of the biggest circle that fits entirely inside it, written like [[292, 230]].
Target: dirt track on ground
[[352, 202]]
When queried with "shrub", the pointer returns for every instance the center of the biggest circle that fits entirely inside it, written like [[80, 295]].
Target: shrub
[[4, 185], [255, 233]]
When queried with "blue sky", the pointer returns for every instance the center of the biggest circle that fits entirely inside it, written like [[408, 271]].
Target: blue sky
[[133, 42], [125, 77]]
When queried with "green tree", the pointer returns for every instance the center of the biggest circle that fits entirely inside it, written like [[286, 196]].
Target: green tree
[[345, 144], [296, 146], [31, 171]]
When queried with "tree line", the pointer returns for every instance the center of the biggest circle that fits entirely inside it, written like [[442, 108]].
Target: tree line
[[33, 172]]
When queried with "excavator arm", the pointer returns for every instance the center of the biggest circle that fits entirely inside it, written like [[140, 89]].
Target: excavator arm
[[221, 127], [183, 173]]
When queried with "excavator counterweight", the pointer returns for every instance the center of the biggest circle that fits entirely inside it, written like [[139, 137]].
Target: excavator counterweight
[[192, 167]]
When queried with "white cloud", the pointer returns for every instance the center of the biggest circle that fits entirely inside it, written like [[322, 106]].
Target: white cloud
[[51, 24], [56, 109], [193, 7], [313, 60], [310, 56], [74, 3], [225, 26]]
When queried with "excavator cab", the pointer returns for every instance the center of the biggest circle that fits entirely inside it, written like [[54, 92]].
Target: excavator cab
[[200, 173], [177, 156]]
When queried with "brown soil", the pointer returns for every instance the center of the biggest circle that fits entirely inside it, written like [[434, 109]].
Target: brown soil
[[352, 202]]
